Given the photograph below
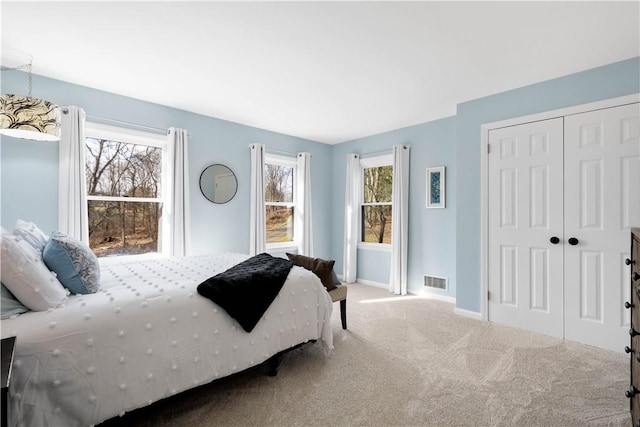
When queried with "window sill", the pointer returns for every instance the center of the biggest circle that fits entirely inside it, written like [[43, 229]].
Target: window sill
[[281, 248], [381, 247], [117, 259]]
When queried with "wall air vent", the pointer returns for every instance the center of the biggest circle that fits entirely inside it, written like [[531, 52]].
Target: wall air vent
[[436, 282]]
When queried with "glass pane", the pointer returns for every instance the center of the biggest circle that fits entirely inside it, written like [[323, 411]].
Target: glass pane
[[378, 184], [121, 169], [123, 228], [278, 183], [279, 224], [376, 224]]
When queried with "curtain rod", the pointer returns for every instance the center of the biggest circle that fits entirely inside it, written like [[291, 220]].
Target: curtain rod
[[105, 120], [376, 153], [387, 151], [278, 152], [284, 153]]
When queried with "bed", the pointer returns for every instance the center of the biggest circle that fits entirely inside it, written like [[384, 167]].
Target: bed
[[147, 334]]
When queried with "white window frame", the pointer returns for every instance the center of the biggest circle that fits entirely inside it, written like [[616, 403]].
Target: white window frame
[[371, 162], [275, 159], [131, 136]]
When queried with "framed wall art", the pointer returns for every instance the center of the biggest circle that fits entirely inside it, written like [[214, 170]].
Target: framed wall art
[[436, 187]]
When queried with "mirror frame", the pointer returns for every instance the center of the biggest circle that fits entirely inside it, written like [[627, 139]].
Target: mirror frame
[[202, 175]]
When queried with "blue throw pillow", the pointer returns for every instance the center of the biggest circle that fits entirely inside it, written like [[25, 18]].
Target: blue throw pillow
[[10, 304], [75, 265]]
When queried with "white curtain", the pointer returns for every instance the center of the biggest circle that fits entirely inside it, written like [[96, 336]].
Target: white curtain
[[400, 223], [351, 203], [72, 185], [257, 233], [304, 235], [178, 235]]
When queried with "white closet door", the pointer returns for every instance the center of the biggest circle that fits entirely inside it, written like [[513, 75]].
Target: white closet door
[[525, 212], [602, 177]]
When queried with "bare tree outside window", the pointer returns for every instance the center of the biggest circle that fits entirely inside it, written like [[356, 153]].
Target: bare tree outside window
[[278, 196], [123, 192], [376, 206]]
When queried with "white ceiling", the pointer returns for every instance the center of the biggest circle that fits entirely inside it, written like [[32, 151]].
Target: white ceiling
[[326, 71]]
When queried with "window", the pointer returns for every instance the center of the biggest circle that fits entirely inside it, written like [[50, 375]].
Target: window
[[280, 200], [124, 172], [375, 207]]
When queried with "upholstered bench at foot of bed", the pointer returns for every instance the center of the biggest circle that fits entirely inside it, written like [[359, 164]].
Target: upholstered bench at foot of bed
[[339, 293]]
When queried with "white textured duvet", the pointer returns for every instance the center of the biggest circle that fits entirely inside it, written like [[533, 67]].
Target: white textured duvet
[[147, 335]]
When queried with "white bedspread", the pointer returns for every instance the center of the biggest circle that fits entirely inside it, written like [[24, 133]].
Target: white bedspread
[[147, 335]]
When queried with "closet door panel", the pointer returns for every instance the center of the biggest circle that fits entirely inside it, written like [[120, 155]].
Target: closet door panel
[[601, 171], [525, 212]]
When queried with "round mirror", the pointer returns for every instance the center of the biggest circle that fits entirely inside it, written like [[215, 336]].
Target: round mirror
[[218, 183]]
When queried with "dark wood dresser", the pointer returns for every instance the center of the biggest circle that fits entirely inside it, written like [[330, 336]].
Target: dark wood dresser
[[8, 349], [634, 305]]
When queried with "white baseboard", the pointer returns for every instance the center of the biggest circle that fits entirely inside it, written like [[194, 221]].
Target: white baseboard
[[433, 295], [372, 283], [467, 313]]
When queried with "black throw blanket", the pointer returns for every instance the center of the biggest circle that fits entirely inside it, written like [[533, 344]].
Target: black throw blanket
[[247, 289]]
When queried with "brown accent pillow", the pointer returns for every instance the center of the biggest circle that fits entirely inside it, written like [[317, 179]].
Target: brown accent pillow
[[320, 267]]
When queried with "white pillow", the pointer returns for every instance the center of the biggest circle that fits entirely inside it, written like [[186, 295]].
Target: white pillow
[[9, 304], [31, 233], [27, 277]]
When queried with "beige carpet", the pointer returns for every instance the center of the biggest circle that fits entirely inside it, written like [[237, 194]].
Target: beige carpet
[[411, 361]]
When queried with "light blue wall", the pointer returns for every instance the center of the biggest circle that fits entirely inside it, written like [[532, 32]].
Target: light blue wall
[[446, 242], [443, 242], [610, 81], [28, 188], [29, 170], [431, 231]]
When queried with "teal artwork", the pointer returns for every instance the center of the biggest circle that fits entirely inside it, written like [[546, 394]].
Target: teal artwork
[[435, 188]]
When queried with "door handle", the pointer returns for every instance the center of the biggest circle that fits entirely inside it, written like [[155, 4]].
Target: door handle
[[554, 240], [573, 241]]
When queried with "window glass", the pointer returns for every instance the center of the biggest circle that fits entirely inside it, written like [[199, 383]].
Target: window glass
[[378, 183], [124, 195], [279, 177], [278, 183], [279, 224], [376, 224], [376, 212], [123, 228]]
